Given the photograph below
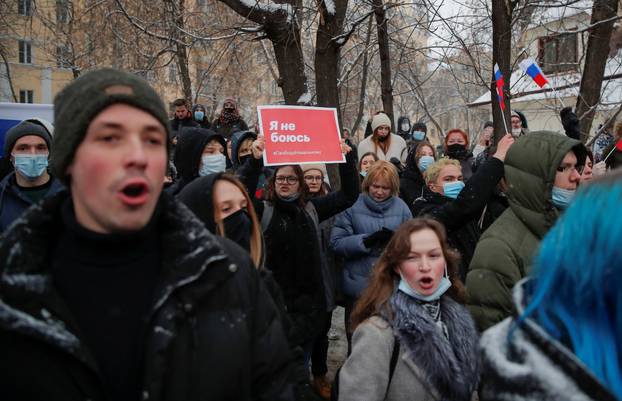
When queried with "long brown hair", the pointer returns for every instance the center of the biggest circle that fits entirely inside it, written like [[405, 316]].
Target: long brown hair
[[383, 145], [302, 188], [256, 241], [375, 298]]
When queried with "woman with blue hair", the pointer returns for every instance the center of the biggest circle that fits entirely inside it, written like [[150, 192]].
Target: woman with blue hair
[[565, 341]]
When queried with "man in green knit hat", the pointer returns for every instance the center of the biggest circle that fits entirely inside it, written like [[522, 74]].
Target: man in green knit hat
[[114, 291]]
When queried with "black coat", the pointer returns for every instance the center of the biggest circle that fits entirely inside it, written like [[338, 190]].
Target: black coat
[[177, 124], [460, 215], [226, 130], [213, 330], [293, 248]]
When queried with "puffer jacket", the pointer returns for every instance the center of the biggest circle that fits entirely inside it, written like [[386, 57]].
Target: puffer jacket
[[503, 255], [13, 202], [524, 363], [353, 225], [213, 332]]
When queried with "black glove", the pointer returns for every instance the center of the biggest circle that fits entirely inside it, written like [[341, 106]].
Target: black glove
[[570, 121], [378, 239]]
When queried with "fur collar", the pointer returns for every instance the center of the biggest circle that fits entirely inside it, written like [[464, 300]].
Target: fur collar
[[452, 366]]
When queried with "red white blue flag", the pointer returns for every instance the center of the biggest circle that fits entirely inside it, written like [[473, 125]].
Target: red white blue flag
[[500, 83], [531, 68]]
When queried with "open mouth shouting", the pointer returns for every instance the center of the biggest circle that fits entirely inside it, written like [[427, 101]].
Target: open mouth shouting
[[426, 283], [134, 192]]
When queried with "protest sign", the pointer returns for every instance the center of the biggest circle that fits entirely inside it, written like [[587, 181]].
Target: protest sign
[[300, 135]]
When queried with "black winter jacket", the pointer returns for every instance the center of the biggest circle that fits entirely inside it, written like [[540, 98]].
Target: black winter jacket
[[460, 216], [214, 333]]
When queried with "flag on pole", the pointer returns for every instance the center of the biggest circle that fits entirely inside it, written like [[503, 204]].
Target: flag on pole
[[531, 68], [500, 83]]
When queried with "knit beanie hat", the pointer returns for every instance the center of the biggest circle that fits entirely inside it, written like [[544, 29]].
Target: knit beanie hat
[[319, 167], [83, 99], [22, 129], [380, 119]]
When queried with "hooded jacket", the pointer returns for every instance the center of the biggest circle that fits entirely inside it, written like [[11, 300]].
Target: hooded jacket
[[13, 201], [524, 363], [236, 140], [205, 124], [404, 134], [503, 255], [412, 183], [353, 225], [212, 332], [188, 152]]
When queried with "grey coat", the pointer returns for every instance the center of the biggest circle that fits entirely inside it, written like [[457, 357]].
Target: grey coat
[[429, 367]]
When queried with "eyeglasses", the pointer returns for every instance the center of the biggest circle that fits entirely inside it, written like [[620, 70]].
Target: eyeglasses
[[565, 168], [290, 179], [313, 178]]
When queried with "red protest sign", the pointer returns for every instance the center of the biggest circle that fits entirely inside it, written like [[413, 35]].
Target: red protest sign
[[300, 135]]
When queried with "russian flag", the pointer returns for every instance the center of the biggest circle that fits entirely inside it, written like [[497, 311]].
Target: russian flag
[[500, 83], [531, 68]]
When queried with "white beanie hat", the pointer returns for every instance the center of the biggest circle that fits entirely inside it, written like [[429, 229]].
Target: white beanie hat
[[380, 119], [319, 167]]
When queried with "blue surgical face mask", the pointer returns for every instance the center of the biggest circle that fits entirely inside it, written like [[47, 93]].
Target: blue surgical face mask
[[425, 162], [199, 115], [562, 197], [440, 290], [30, 166], [453, 189], [418, 135], [363, 174], [212, 164]]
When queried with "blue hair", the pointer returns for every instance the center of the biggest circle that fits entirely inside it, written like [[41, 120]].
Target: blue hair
[[577, 294]]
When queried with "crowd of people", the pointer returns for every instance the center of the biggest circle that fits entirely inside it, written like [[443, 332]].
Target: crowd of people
[[156, 259]]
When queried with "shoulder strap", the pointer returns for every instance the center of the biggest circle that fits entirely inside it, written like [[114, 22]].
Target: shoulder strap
[[394, 357]]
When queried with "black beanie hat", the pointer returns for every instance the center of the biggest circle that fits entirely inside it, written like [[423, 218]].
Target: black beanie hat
[[83, 99], [25, 128]]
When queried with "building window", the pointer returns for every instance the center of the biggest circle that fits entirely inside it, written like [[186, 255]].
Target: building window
[[63, 57], [62, 11], [26, 96], [558, 53], [25, 52], [275, 88], [172, 72], [24, 7]]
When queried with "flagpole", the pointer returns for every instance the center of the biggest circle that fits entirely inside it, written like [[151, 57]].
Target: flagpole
[[505, 124], [557, 95]]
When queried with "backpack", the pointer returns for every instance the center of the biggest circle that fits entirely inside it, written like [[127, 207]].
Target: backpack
[[334, 391]]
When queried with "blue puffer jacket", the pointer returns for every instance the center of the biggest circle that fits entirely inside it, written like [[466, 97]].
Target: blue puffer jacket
[[13, 202], [365, 217]]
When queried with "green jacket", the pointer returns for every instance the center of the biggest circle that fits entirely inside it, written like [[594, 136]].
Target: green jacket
[[503, 255]]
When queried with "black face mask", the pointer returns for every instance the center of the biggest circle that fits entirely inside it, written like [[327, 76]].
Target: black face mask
[[243, 159], [383, 138], [238, 228], [456, 151]]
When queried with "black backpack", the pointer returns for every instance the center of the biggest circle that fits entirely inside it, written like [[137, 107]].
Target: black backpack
[[334, 391]]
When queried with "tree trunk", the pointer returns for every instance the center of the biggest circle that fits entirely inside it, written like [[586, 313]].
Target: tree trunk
[[283, 30], [385, 60], [359, 114], [327, 53], [501, 54], [595, 60]]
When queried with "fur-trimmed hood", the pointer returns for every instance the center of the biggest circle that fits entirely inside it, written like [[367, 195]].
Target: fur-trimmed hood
[[524, 363]]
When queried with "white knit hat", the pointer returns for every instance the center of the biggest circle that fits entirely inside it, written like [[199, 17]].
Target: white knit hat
[[319, 167], [380, 119]]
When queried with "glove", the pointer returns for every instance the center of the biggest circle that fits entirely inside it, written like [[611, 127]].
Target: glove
[[570, 121], [378, 239]]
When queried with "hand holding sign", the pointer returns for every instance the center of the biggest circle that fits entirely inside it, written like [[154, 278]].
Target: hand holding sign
[[258, 146]]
